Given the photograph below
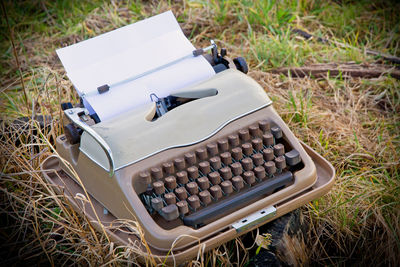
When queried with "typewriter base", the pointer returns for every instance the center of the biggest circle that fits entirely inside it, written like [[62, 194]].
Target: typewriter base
[[63, 183]]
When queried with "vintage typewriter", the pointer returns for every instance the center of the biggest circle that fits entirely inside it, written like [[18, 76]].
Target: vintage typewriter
[[201, 166]]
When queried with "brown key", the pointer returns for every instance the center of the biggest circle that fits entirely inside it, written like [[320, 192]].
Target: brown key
[[194, 201], [181, 193], [257, 144], [236, 168], [145, 177], [156, 173], [258, 159], [182, 207], [170, 198], [233, 140], [280, 162], [226, 173], [170, 182], [279, 150], [216, 191], [193, 172], [227, 187], [203, 183], [159, 187], [182, 177], [190, 158], [201, 153], [157, 203], [205, 197], [237, 153], [247, 164], [244, 135], [226, 158], [254, 131], [270, 167], [216, 163], [264, 125], [170, 212], [249, 177], [214, 177], [259, 172], [223, 145], [237, 182], [247, 149], [212, 149], [205, 167], [268, 139], [268, 154], [192, 188], [276, 132], [179, 164], [168, 168]]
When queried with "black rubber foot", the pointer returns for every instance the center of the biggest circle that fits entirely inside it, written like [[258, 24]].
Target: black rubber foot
[[241, 64]]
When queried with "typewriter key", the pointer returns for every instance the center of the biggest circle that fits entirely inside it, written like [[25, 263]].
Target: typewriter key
[[201, 153], [258, 159], [247, 164], [170, 198], [227, 187], [159, 187], [216, 191], [212, 149], [292, 157], [215, 177], [168, 168], [170, 212], [270, 167], [254, 131], [194, 201], [257, 144], [226, 173], [156, 173], [205, 197], [182, 207], [236, 168], [203, 183], [192, 188], [157, 203], [237, 182], [182, 177], [170, 182], [280, 162], [205, 167], [216, 163], [180, 164], [279, 150], [223, 145], [233, 140], [237, 153], [264, 125], [277, 132], [145, 177], [226, 158], [190, 158], [181, 193], [268, 139], [268, 154], [244, 135], [249, 177], [193, 172], [259, 172], [247, 149]]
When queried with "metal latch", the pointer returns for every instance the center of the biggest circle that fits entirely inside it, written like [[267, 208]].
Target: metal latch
[[254, 219]]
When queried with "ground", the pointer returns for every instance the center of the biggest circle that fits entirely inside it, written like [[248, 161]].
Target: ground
[[352, 122]]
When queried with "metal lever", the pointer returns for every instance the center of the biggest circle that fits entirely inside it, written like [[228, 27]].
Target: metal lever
[[255, 219], [72, 114]]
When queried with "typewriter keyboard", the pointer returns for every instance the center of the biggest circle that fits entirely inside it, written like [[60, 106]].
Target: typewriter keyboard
[[223, 176]]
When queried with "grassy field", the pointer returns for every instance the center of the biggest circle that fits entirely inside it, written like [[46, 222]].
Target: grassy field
[[352, 122]]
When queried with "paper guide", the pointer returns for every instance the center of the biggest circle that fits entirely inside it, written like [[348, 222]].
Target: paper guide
[[129, 51]]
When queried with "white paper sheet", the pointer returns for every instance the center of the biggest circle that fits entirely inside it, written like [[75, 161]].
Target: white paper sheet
[[130, 51]]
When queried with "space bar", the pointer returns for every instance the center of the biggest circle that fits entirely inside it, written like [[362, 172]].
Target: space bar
[[240, 200]]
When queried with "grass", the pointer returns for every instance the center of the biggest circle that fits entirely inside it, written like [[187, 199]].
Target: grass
[[354, 123]]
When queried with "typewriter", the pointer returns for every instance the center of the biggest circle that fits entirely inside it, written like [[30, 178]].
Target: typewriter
[[200, 167]]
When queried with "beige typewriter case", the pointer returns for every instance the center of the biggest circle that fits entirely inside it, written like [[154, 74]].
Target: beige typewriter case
[[111, 154]]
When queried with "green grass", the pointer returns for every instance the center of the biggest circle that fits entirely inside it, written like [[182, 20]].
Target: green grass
[[354, 123]]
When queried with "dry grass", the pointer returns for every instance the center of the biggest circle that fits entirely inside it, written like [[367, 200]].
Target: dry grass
[[354, 123]]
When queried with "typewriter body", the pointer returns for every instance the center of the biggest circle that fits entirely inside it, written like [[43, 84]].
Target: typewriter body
[[214, 165]]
